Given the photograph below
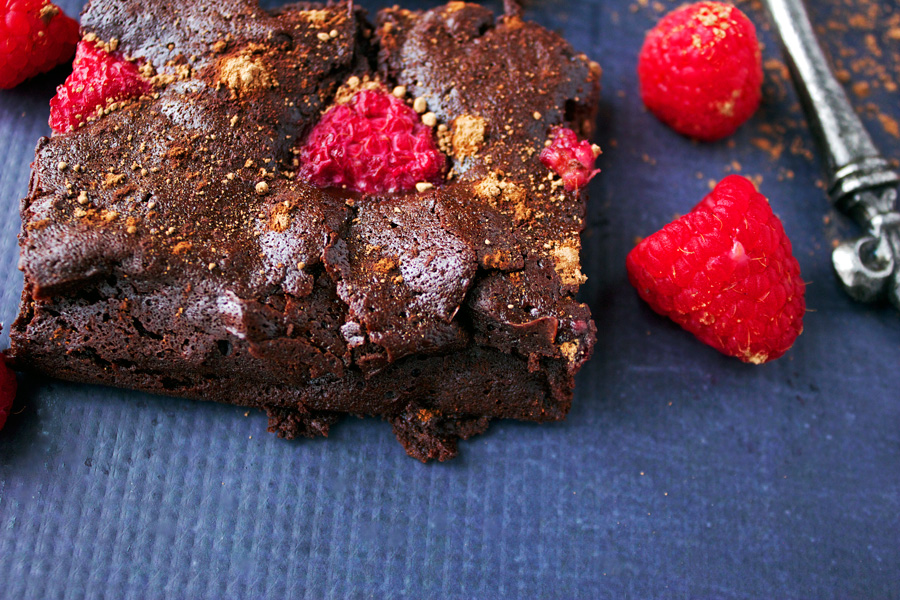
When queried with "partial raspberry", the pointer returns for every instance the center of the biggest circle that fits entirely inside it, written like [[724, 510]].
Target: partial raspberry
[[725, 273], [8, 386], [98, 79], [35, 36], [570, 159], [372, 144], [701, 70]]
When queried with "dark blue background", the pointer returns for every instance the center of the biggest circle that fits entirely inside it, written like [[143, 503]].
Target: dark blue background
[[679, 472]]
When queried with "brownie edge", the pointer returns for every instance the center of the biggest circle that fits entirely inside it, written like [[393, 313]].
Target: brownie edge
[[155, 263]]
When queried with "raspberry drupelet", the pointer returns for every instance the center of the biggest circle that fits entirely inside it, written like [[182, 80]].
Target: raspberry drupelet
[[571, 159], [700, 70], [374, 143], [35, 36], [98, 78], [726, 273]]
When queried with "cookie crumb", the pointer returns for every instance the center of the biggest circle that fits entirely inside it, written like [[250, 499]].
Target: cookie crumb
[[468, 135], [243, 73], [568, 264], [569, 350]]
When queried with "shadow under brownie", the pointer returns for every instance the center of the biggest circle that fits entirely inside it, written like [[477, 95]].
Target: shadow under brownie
[[155, 260]]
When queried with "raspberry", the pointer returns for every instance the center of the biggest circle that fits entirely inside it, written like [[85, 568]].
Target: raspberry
[[98, 78], [700, 70], [570, 159], [35, 36], [725, 273], [8, 387], [373, 144]]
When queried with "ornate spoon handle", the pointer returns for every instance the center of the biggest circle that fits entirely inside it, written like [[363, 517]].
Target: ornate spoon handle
[[861, 183]]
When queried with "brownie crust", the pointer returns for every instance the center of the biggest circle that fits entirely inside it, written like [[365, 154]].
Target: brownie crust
[[154, 259]]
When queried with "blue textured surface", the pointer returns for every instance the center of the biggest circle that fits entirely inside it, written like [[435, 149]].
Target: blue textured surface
[[679, 473]]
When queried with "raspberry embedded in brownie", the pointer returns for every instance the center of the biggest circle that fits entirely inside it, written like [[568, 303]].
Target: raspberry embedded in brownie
[[174, 241]]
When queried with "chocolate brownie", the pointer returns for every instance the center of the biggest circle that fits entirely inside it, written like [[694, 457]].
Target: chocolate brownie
[[169, 246]]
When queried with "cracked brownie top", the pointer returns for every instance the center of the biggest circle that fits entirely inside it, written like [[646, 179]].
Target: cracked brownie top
[[196, 183]]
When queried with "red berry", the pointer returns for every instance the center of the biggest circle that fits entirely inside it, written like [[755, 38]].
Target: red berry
[[725, 273], [700, 70], [570, 159], [98, 78], [373, 144], [35, 36], [8, 387]]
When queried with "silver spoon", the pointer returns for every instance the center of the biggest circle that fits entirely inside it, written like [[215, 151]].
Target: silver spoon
[[861, 183]]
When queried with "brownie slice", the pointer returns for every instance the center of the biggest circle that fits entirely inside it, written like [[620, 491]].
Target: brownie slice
[[155, 260]]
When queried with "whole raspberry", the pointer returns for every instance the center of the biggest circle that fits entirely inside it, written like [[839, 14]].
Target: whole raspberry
[[725, 273], [35, 36], [8, 386], [98, 79], [373, 144], [570, 159], [700, 70]]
